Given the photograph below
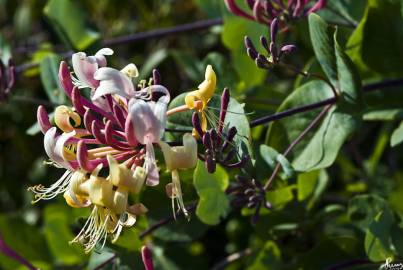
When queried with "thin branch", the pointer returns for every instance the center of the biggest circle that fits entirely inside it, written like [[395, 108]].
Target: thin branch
[[382, 85], [153, 34], [317, 119], [191, 207], [231, 258], [290, 112], [9, 252], [105, 263], [349, 264]]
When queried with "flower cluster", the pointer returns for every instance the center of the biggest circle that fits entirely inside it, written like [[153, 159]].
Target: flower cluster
[[106, 143], [219, 142], [7, 79], [274, 52], [265, 11], [250, 193]]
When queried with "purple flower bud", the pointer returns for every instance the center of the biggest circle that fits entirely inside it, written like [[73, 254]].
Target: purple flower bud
[[230, 156], [260, 64], [196, 124], [251, 205], [156, 77], [273, 30], [207, 141], [146, 256], [214, 137], [231, 133], [288, 49], [273, 52], [210, 164], [249, 191], [264, 43], [252, 53]]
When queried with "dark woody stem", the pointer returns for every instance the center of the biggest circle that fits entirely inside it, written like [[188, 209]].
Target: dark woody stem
[[153, 34], [317, 119], [366, 88]]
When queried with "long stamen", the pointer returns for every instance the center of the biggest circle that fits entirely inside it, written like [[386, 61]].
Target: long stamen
[[60, 186]]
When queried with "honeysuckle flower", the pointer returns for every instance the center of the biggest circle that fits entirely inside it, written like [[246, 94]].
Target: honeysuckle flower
[[264, 11], [116, 137], [150, 120], [179, 158], [199, 98]]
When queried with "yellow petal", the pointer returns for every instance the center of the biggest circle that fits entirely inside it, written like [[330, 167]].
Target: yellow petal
[[121, 176], [63, 114], [180, 157], [205, 91]]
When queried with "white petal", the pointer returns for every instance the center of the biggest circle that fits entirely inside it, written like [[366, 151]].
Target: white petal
[[112, 81], [104, 51], [85, 68], [147, 125]]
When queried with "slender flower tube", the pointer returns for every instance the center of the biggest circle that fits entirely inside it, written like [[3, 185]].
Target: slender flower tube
[[179, 158]]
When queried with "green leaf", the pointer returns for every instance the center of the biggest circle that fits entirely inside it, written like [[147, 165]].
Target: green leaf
[[281, 196], [269, 257], [28, 241], [331, 251], [377, 239], [320, 147], [397, 136], [375, 50], [49, 69], [213, 202], [363, 209], [57, 218], [272, 157], [70, 23], [234, 31], [323, 45]]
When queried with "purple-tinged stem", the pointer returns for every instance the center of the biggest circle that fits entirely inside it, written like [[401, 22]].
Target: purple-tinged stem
[[9, 252], [315, 121]]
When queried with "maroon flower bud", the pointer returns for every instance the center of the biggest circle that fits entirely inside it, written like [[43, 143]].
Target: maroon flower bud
[[156, 77], [196, 124], [273, 30], [146, 256], [210, 164]]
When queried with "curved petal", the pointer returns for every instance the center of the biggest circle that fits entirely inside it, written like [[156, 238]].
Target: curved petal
[[100, 56], [85, 68], [148, 127], [54, 146], [112, 81]]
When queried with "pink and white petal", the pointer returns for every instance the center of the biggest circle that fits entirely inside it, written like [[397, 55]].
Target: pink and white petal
[[85, 67], [148, 127], [112, 81], [100, 56]]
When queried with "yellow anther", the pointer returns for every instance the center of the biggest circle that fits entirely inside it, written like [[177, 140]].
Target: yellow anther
[[63, 114]]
